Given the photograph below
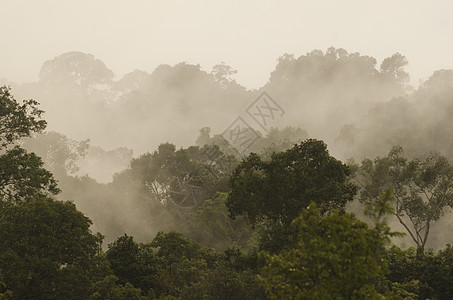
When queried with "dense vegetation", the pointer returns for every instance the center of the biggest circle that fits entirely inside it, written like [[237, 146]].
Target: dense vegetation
[[203, 222]]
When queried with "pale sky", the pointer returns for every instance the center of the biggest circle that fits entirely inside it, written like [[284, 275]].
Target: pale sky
[[247, 35]]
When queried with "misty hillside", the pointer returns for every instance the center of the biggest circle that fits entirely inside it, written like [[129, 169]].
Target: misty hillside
[[342, 157], [226, 150], [359, 107]]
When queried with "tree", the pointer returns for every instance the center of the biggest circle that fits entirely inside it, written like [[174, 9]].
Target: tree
[[210, 226], [278, 189], [184, 177], [60, 153], [336, 257], [271, 193], [75, 70], [223, 74], [109, 289], [224, 283], [423, 188], [393, 67], [18, 120], [278, 140], [181, 262], [170, 176], [133, 263], [204, 137], [425, 276], [46, 250], [22, 175], [133, 82]]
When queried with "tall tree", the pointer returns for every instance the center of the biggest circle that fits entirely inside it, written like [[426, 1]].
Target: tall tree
[[271, 193], [423, 188], [278, 189], [184, 177]]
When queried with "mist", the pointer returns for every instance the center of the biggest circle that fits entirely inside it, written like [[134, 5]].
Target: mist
[[96, 125], [200, 148]]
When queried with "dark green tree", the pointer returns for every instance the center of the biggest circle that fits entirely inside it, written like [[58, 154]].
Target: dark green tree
[[280, 188], [275, 191], [421, 275], [18, 120], [133, 263], [336, 257], [181, 262], [46, 250], [108, 288], [224, 283], [22, 175]]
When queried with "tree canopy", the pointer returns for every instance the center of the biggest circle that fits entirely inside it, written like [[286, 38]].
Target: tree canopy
[[336, 257], [18, 120], [46, 250], [423, 188], [184, 177], [22, 175], [278, 189]]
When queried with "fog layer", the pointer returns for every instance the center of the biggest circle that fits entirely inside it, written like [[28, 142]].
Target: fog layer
[[359, 107]]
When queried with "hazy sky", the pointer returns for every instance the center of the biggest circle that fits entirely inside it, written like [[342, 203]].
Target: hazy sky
[[247, 35]]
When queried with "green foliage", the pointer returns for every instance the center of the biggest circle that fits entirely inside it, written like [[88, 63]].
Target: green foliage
[[280, 188], [275, 191], [46, 250], [181, 262], [224, 283], [133, 263], [336, 257], [423, 188], [184, 177], [109, 289], [18, 120], [427, 275], [409, 290], [22, 176], [379, 210], [210, 226]]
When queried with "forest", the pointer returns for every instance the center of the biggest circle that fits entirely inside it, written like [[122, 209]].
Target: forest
[[129, 188]]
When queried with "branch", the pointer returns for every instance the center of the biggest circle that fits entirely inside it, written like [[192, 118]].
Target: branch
[[407, 229], [425, 238]]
